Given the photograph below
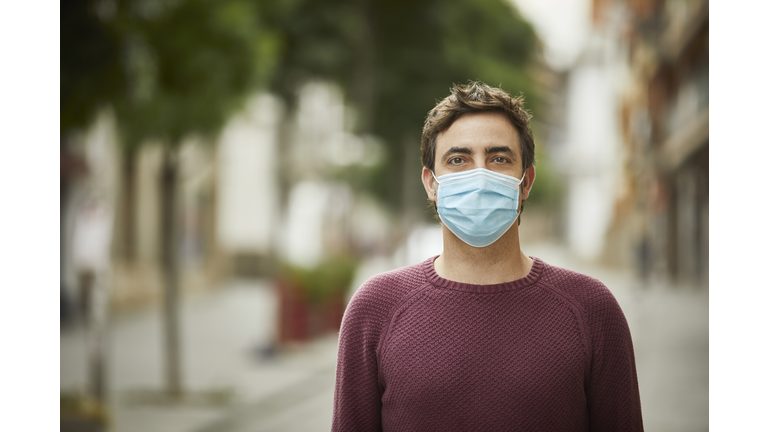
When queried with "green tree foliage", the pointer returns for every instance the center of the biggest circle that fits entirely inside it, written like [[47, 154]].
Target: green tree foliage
[[168, 68], [395, 58], [175, 67], [548, 189], [427, 46], [178, 66], [330, 277], [91, 74], [194, 65]]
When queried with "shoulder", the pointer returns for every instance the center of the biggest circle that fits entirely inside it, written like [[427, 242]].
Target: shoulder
[[375, 299], [578, 287], [394, 281], [595, 302]]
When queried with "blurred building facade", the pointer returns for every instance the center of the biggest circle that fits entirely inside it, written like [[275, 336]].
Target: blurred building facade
[[136, 249], [583, 137], [96, 165], [660, 220], [632, 139], [247, 189], [262, 192], [589, 157]]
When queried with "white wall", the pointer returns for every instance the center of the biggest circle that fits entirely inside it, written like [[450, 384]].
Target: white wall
[[247, 178], [591, 154]]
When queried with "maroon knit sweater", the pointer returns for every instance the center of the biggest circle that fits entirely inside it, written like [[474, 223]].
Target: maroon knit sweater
[[548, 352]]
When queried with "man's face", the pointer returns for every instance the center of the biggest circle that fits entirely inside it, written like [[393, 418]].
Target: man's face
[[481, 140]]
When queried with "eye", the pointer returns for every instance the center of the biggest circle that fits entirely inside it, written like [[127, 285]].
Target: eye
[[455, 161], [500, 159]]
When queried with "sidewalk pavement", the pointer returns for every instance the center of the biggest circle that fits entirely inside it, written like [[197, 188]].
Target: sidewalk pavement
[[235, 386], [232, 380]]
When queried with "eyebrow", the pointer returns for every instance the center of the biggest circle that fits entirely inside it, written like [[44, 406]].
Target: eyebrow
[[454, 150], [500, 149]]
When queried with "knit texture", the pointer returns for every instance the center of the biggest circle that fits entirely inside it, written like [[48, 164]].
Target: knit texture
[[549, 352]]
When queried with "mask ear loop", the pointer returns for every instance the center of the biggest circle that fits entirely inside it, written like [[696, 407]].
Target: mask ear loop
[[433, 191], [522, 202], [433, 185]]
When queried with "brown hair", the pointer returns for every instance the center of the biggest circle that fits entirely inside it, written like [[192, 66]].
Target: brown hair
[[476, 97]]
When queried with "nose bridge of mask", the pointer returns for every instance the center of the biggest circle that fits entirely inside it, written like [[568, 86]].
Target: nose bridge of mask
[[512, 181]]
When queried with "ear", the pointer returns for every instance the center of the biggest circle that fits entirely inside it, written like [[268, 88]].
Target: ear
[[525, 187], [429, 184]]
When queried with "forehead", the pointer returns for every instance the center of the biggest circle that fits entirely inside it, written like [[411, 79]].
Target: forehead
[[478, 131]]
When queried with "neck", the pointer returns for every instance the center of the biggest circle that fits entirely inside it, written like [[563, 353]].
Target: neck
[[499, 262]]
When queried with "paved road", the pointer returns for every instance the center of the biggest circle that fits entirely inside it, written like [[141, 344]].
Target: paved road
[[232, 384], [234, 388]]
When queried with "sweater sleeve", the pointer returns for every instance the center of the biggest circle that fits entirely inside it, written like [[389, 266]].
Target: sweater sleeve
[[612, 391], [357, 399]]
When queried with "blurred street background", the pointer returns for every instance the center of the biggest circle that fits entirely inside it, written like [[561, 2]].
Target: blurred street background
[[232, 170]]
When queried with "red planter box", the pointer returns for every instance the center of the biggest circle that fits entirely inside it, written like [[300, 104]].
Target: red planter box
[[299, 319]]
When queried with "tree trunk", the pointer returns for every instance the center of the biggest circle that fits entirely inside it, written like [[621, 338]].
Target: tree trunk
[[128, 240], [169, 254], [364, 78], [65, 306], [96, 330]]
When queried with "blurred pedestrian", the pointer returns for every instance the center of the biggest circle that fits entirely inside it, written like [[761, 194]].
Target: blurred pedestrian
[[482, 336], [644, 260], [91, 259]]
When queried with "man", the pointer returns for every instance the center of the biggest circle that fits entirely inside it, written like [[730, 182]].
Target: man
[[483, 337]]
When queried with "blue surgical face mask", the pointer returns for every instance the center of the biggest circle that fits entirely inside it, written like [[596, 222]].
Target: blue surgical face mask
[[479, 205]]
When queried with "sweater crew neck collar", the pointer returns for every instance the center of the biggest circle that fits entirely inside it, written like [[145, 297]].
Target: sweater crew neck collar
[[531, 278]]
